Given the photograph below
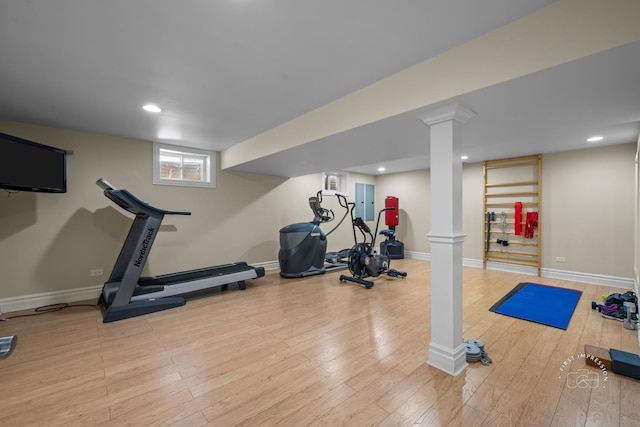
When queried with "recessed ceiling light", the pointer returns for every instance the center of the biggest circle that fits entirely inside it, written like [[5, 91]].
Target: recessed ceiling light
[[595, 138], [381, 169], [152, 108], [464, 157]]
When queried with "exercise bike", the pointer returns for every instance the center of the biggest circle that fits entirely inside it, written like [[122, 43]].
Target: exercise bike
[[363, 261]]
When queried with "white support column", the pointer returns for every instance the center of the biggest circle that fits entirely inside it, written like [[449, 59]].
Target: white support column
[[447, 350]]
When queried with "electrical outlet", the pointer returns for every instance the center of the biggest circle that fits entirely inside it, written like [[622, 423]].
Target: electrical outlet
[[560, 259], [97, 272]]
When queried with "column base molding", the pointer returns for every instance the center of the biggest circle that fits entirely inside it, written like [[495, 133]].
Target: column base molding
[[453, 361]]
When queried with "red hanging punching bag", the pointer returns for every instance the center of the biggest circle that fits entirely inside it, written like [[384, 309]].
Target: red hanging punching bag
[[392, 217]]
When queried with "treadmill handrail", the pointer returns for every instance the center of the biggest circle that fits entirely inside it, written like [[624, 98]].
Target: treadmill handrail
[[104, 184], [131, 203]]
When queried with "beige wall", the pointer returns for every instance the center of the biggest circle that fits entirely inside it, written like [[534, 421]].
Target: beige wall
[[587, 210], [50, 242], [588, 205], [343, 236], [413, 192]]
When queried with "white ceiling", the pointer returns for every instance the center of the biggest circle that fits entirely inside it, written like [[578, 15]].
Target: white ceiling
[[225, 71]]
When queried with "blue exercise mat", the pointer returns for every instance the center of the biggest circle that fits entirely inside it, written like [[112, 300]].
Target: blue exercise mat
[[543, 304]]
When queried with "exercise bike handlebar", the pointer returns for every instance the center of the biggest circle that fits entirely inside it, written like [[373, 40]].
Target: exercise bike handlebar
[[373, 243], [359, 223]]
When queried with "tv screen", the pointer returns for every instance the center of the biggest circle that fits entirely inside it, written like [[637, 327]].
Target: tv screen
[[30, 166]]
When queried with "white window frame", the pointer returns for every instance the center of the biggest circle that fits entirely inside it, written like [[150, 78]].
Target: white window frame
[[209, 180], [341, 180]]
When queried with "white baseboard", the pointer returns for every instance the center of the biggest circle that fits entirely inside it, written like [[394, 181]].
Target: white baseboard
[[268, 266], [596, 279], [417, 255], [467, 262], [512, 268], [470, 262], [27, 302], [574, 276]]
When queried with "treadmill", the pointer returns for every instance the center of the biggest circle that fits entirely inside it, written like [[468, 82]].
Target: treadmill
[[127, 295]]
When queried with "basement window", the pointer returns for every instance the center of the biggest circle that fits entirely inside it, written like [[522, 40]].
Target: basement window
[[183, 166], [334, 183]]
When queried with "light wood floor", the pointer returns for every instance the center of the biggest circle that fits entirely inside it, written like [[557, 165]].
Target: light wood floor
[[313, 352]]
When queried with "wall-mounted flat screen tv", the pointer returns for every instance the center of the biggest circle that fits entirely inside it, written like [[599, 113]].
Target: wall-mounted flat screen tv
[[31, 166]]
